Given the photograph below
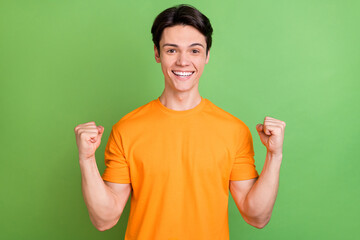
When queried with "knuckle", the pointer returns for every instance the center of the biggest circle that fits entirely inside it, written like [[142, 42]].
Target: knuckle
[[77, 127], [82, 133]]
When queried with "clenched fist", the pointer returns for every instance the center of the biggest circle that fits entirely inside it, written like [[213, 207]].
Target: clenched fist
[[272, 134], [88, 138]]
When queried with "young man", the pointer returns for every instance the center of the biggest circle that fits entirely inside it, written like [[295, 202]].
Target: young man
[[180, 154]]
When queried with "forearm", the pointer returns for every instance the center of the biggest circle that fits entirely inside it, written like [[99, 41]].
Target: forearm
[[99, 199], [260, 200]]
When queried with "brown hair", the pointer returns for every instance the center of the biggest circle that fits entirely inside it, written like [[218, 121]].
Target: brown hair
[[183, 14]]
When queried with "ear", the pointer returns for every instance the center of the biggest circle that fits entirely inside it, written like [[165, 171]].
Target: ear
[[157, 54], [207, 57]]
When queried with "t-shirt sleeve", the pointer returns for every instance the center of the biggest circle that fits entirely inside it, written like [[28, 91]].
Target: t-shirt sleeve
[[117, 168], [244, 163]]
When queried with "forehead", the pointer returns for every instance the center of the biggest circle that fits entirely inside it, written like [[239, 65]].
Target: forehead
[[182, 35]]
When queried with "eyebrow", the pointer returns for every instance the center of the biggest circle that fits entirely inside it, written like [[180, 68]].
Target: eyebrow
[[175, 45]]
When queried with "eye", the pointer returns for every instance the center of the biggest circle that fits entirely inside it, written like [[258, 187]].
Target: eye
[[195, 51], [171, 51]]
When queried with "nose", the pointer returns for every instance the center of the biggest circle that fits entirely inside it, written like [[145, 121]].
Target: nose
[[182, 60]]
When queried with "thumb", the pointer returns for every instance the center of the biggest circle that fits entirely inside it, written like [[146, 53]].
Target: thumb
[[101, 130], [99, 136], [260, 130], [259, 127]]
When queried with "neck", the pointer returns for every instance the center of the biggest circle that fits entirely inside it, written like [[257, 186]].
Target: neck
[[180, 101]]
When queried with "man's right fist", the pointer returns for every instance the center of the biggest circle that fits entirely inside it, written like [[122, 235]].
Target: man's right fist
[[88, 138]]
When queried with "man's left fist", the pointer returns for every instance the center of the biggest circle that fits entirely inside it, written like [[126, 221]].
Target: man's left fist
[[272, 134]]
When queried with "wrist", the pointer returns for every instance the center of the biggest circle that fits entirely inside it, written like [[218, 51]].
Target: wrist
[[273, 155], [85, 159], [273, 161]]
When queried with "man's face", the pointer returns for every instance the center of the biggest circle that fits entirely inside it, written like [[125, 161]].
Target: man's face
[[182, 57]]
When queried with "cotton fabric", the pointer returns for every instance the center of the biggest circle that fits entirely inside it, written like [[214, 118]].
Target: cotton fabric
[[179, 164]]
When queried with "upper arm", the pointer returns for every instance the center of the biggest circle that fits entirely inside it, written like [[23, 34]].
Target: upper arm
[[121, 191], [239, 191]]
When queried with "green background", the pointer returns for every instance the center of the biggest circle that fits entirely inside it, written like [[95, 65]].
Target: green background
[[63, 63]]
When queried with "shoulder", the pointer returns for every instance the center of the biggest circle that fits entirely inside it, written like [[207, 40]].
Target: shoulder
[[134, 117], [225, 117]]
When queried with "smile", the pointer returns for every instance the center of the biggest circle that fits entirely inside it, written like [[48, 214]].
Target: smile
[[182, 74]]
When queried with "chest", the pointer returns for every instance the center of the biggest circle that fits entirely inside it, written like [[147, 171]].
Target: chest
[[190, 151]]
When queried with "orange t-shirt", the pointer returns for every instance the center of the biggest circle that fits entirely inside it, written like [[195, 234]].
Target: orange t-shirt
[[179, 164]]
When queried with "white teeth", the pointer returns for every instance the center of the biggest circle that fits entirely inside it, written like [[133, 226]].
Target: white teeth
[[183, 73]]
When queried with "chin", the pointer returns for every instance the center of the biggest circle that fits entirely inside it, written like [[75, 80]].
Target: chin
[[184, 88]]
